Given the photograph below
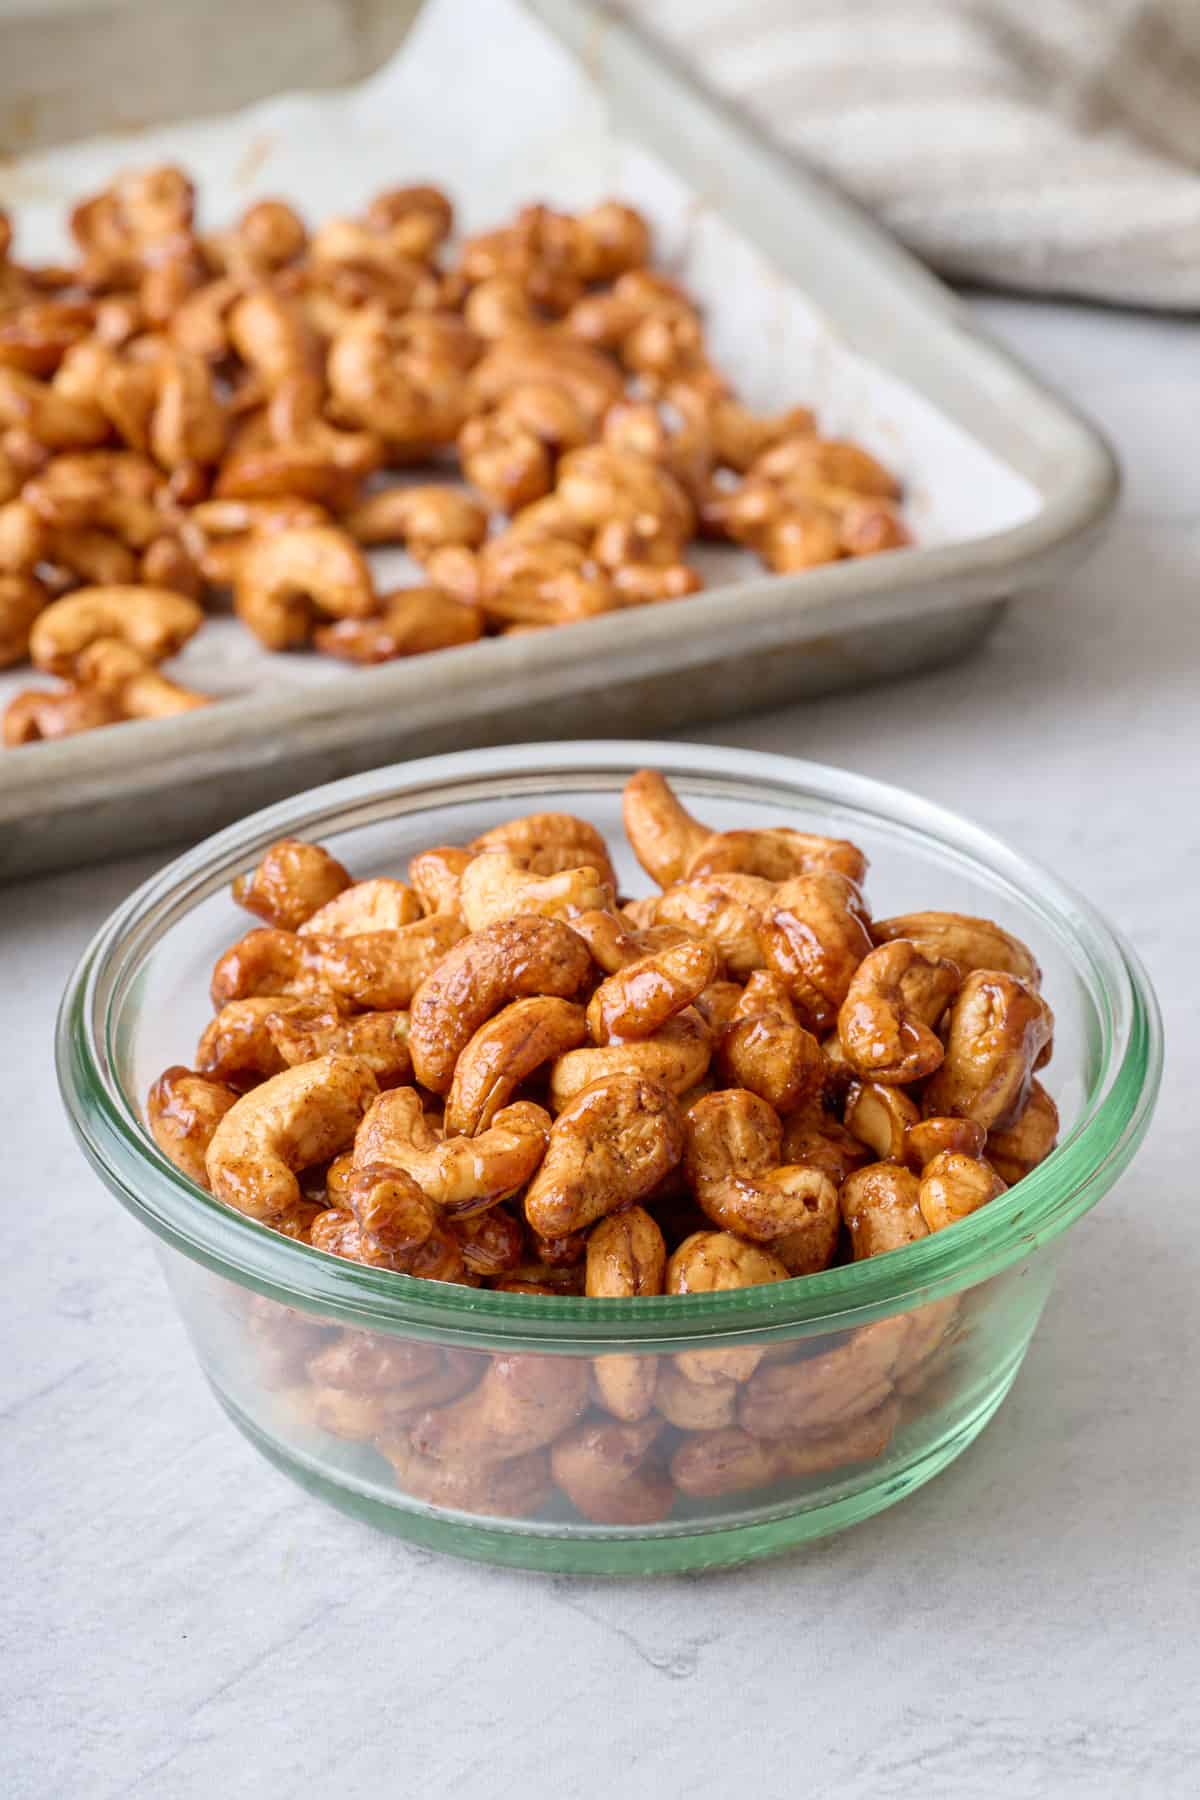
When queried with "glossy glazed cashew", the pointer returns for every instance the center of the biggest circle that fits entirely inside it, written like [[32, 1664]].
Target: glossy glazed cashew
[[927, 1138], [764, 1047], [413, 621], [189, 423], [1028, 1141], [292, 880], [710, 1262], [22, 598], [492, 1242], [537, 581], [435, 876], [881, 1208], [505, 460], [505, 1052], [35, 715], [815, 935], [382, 970], [776, 853], [153, 621], [825, 1391], [439, 1258], [376, 381], [615, 943], [379, 904], [814, 1136], [53, 419], [626, 1257], [522, 1403], [729, 910], [895, 999], [23, 538], [461, 1175], [730, 1461], [514, 1488], [999, 1026], [608, 1474], [881, 1117], [270, 336], [514, 960], [267, 962], [591, 380], [550, 843], [732, 1155], [676, 1057], [662, 833], [969, 942], [301, 1030], [423, 518], [238, 1047], [497, 886], [183, 1111], [286, 578], [303, 1116], [136, 688], [639, 1000], [611, 1145], [954, 1186], [394, 1217], [804, 459]]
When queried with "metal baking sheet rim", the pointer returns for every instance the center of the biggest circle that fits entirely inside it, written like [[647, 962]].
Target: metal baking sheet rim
[[273, 746]]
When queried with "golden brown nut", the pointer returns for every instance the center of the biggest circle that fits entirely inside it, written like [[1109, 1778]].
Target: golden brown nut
[[22, 598], [413, 622], [379, 904], [514, 960], [954, 1186], [512, 1489], [926, 1138], [765, 1048], [825, 462], [522, 1403], [136, 688], [1019, 1148], [381, 970], [881, 1207], [815, 935], [422, 518], [435, 876], [285, 578], [238, 1045], [882, 1117], [626, 1256], [813, 1136], [821, 1392], [611, 1145], [301, 1030], [729, 910], [153, 621], [36, 715], [607, 1472], [999, 1026], [393, 1215], [694, 1405], [646, 993], [676, 1057], [23, 543], [969, 942], [505, 1052], [508, 463], [291, 882], [896, 997], [492, 1242], [550, 842], [52, 418], [461, 1175], [439, 1258], [710, 1262], [303, 1116], [732, 1156], [775, 853], [183, 1110], [730, 1461], [497, 886]]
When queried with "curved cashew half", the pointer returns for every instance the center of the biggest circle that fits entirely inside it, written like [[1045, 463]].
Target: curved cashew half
[[301, 1030], [676, 1058], [732, 1151], [497, 886], [638, 1000], [926, 1138], [710, 1262], [461, 1175], [154, 621], [504, 1053], [291, 881], [728, 1462], [237, 1045], [1018, 1149], [826, 1391], [604, 1471], [435, 876], [512, 1489], [514, 960], [882, 1117], [382, 970], [776, 853], [284, 578], [813, 1136], [954, 1186], [626, 1256], [549, 843], [611, 1145], [183, 1111], [662, 832], [895, 998], [764, 1047], [304, 1116], [522, 1403], [999, 1027], [969, 942], [376, 905], [881, 1207], [815, 935], [729, 910]]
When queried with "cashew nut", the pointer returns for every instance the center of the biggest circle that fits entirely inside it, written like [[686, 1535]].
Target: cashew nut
[[968, 942], [626, 1256], [376, 905], [303, 1116], [813, 1136], [550, 843], [505, 1052], [291, 882], [727, 1462], [610, 1146], [676, 1057], [497, 886], [301, 1030], [895, 998], [732, 1156], [881, 1207], [461, 1175], [605, 1472], [1021, 1146], [522, 1403], [815, 935], [183, 1111], [413, 622], [954, 1186], [999, 1027], [710, 1262], [640, 999], [825, 1391], [435, 876], [765, 1048], [153, 621], [663, 834], [285, 577]]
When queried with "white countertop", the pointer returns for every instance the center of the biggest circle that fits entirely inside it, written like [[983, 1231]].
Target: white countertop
[[181, 1622]]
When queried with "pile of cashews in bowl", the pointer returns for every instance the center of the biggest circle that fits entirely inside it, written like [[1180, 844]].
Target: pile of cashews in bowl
[[188, 415], [496, 1072]]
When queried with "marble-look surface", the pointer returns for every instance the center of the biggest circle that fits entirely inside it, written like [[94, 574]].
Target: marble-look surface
[[180, 1622]]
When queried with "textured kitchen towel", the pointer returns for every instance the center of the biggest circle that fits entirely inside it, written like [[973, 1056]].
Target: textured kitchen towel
[[1047, 145]]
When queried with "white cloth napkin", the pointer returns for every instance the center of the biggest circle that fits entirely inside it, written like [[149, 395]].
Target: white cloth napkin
[[1045, 145]]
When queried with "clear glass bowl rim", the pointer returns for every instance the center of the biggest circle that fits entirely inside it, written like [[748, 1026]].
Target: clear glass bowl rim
[[107, 1122]]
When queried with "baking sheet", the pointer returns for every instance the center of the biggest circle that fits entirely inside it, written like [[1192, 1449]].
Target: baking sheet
[[486, 101]]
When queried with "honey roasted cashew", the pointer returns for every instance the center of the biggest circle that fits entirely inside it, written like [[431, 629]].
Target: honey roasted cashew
[[881, 1208], [776, 853], [136, 688], [730, 1461], [435, 876], [954, 1186], [267, 962], [610, 1146], [492, 1242], [394, 1216], [422, 518], [514, 960], [927, 1138], [284, 578], [237, 1046], [626, 1257], [496, 886], [522, 1403], [34, 715], [301, 1030], [815, 935], [886, 1022], [969, 942], [292, 881], [505, 1052], [1028, 1141], [615, 943], [54, 419], [550, 843], [183, 1111], [460, 1175], [815, 1137], [22, 599], [729, 910], [303, 1116], [733, 1146], [438, 1258], [882, 1117], [153, 621], [828, 1391], [694, 1405], [998, 1029], [382, 970], [379, 904], [710, 1262], [675, 1057], [606, 1472], [412, 622], [638, 1001], [514, 1488], [764, 1047]]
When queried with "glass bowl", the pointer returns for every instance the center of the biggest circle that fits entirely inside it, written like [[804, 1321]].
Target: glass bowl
[[733, 1424]]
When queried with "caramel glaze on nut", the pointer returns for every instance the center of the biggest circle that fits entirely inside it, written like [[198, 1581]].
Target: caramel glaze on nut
[[737, 1082]]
